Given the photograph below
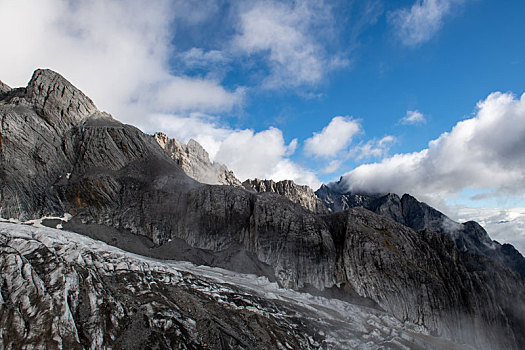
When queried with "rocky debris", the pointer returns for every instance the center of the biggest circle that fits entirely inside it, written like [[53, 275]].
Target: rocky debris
[[62, 290], [195, 161], [407, 210], [300, 194], [109, 174]]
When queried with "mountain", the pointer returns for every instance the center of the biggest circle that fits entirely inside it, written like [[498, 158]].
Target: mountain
[[407, 210], [195, 161], [63, 159], [300, 194], [91, 295]]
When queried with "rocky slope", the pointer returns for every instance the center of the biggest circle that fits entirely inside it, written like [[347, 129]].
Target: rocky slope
[[300, 194], [60, 155], [62, 290], [407, 210], [195, 161]]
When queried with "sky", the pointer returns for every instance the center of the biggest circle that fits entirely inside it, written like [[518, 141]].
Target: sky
[[422, 97]]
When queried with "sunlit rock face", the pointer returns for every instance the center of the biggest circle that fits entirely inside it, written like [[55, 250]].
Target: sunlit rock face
[[300, 194], [195, 161], [120, 185], [407, 210]]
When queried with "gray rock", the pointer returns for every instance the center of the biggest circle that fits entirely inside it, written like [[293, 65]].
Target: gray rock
[[110, 174], [407, 210], [4, 87], [62, 290], [300, 194], [195, 161]]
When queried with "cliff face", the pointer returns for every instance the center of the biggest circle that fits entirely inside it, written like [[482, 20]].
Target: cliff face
[[407, 210], [62, 290], [302, 195], [195, 161], [110, 175]]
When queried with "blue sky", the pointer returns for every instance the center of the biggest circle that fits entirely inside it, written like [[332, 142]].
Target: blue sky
[[395, 96]]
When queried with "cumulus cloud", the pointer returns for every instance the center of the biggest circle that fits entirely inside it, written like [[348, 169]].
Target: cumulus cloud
[[483, 152], [262, 155], [422, 21], [333, 138], [413, 117], [284, 33]]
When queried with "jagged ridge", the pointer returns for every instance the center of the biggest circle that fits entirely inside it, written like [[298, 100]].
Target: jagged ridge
[[300, 194], [112, 174], [407, 210]]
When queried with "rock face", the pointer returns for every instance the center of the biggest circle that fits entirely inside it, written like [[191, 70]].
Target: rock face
[[4, 87], [87, 294], [60, 155], [407, 210], [195, 161], [302, 195]]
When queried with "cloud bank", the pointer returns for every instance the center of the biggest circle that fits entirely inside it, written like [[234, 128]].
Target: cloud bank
[[482, 153]]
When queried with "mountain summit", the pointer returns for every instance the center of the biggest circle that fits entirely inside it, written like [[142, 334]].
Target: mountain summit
[[67, 165]]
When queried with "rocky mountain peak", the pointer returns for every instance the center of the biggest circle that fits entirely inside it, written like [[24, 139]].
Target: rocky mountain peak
[[407, 210], [48, 89], [195, 161], [300, 194]]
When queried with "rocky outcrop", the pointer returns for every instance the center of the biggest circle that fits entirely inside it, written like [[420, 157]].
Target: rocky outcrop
[[407, 210], [419, 275], [4, 87], [300, 194], [195, 161], [107, 174]]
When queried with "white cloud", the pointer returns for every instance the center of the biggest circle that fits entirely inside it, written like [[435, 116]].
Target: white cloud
[[249, 154], [503, 225], [332, 167], [422, 21], [334, 137], [374, 148], [197, 57], [184, 93], [116, 52], [413, 117], [484, 152], [283, 33], [262, 155]]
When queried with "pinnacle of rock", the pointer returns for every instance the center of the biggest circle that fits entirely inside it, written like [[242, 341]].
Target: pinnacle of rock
[[195, 161], [56, 96], [300, 194]]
